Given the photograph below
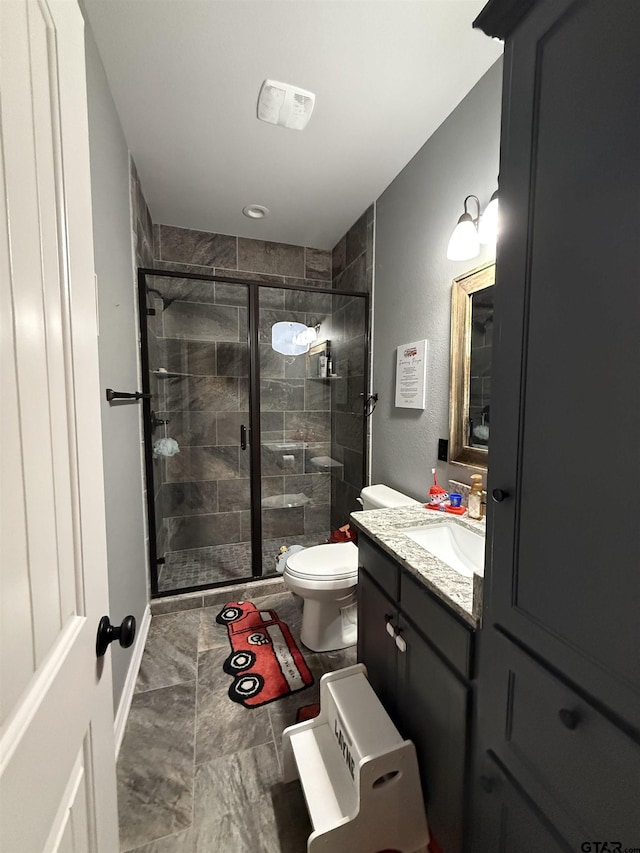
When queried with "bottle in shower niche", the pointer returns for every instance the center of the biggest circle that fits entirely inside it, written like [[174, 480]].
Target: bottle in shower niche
[[474, 505], [322, 365]]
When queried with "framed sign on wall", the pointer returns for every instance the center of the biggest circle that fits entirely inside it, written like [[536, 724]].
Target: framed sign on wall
[[411, 375]]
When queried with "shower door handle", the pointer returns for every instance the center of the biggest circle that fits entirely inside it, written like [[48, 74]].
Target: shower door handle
[[243, 437]]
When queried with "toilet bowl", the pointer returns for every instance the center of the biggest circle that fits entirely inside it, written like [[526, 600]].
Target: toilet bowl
[[326, 577]]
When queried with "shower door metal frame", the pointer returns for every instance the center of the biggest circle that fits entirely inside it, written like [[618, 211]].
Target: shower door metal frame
[[255, 443]]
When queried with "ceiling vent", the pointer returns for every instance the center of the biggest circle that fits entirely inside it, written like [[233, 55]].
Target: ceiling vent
[[285, 105]]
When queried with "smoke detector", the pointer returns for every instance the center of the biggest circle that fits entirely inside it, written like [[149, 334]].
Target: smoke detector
[[285, 105]]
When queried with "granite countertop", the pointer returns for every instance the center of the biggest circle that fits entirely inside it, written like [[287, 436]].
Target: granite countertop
[[384, 526]]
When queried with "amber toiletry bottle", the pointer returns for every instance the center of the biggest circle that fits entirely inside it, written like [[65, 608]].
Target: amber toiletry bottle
[[474, 507]]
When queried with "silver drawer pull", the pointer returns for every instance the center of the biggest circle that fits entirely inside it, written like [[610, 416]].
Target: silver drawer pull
[[391, 631], [401, 643]]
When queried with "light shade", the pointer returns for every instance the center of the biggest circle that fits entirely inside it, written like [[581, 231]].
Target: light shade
[[285, 338], [488, 228], [464, 243]]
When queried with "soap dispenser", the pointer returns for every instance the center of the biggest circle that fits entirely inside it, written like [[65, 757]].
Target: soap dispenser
[[474, 506]]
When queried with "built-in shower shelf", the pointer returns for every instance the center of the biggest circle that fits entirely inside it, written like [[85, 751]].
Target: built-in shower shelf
[[324, 378], [325, 462], [170, 374]]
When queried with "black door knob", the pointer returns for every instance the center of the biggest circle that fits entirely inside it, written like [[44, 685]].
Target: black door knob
[[107, 633], [499, 495], [569, 718], [487, 784]]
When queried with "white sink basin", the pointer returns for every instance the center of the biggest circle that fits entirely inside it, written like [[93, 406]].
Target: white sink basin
[[455, 545]]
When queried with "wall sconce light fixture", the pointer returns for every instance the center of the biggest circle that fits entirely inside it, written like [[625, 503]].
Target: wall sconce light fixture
[[488, 227], [293, 338], [464, 242], [470, 231]]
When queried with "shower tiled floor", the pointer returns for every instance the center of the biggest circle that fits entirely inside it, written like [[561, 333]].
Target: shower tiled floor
[[198, 772], [200, 566], [183, 569]]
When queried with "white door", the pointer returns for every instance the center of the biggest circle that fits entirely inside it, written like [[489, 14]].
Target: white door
[[57, 773]]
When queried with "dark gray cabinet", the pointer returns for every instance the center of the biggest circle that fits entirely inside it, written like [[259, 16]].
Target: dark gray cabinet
[[559, 666], [432, 712], [376, 647], [581, 769], [419, 656], [506, 820]]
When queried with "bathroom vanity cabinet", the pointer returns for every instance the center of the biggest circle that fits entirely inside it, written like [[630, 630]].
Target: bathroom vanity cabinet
[[419, 658], [557, 761]]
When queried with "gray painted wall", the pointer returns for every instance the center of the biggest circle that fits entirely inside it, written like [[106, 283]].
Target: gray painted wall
[[414, 219], [121, 435]]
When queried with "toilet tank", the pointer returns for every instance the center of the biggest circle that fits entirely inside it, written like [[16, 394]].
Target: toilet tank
[[382, 497]]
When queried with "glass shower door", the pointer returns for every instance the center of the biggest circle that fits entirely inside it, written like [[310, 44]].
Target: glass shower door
[[295, 427], [221, 507], [197, 423]]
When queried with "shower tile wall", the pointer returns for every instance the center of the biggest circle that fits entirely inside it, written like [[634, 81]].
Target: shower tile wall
[[205, 495], [352, 270], [140, 222]]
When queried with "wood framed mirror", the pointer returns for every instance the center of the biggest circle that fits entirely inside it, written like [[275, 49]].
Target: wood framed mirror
[[470, 388]]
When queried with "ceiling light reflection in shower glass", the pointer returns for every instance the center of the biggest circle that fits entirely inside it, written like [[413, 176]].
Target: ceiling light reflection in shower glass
[[285, 338]]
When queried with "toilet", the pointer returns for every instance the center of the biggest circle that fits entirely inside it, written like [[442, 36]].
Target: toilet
[[326, 577]]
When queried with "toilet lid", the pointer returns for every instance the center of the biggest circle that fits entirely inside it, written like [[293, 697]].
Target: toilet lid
[[325, 562]]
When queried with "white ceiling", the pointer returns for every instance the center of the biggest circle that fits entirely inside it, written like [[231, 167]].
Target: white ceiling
[[185, 76]]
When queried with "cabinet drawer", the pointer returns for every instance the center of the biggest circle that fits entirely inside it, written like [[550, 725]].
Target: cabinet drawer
[[452, 638], [381, 567], [562, 747]]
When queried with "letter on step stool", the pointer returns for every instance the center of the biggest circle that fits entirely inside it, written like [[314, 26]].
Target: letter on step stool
[[344, 749]]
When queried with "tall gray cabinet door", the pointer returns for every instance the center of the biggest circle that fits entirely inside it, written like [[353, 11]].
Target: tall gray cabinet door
[[565, 440]]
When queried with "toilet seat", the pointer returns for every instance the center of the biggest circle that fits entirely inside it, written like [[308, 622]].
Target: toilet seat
[[337, 561]]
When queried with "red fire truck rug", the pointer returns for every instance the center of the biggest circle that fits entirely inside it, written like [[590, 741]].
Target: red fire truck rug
[[265, 662]]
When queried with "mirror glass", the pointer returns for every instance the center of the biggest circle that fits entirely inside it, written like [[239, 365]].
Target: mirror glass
[[480, 367], [471, 343]]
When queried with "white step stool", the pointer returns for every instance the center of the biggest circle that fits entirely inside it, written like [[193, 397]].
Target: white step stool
[[360, 778]]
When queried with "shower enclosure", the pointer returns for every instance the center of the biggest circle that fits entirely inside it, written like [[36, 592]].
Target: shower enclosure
[[248, 449]]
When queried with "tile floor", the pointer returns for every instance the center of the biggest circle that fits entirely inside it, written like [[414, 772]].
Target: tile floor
[[216, 563], [198, 772]]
